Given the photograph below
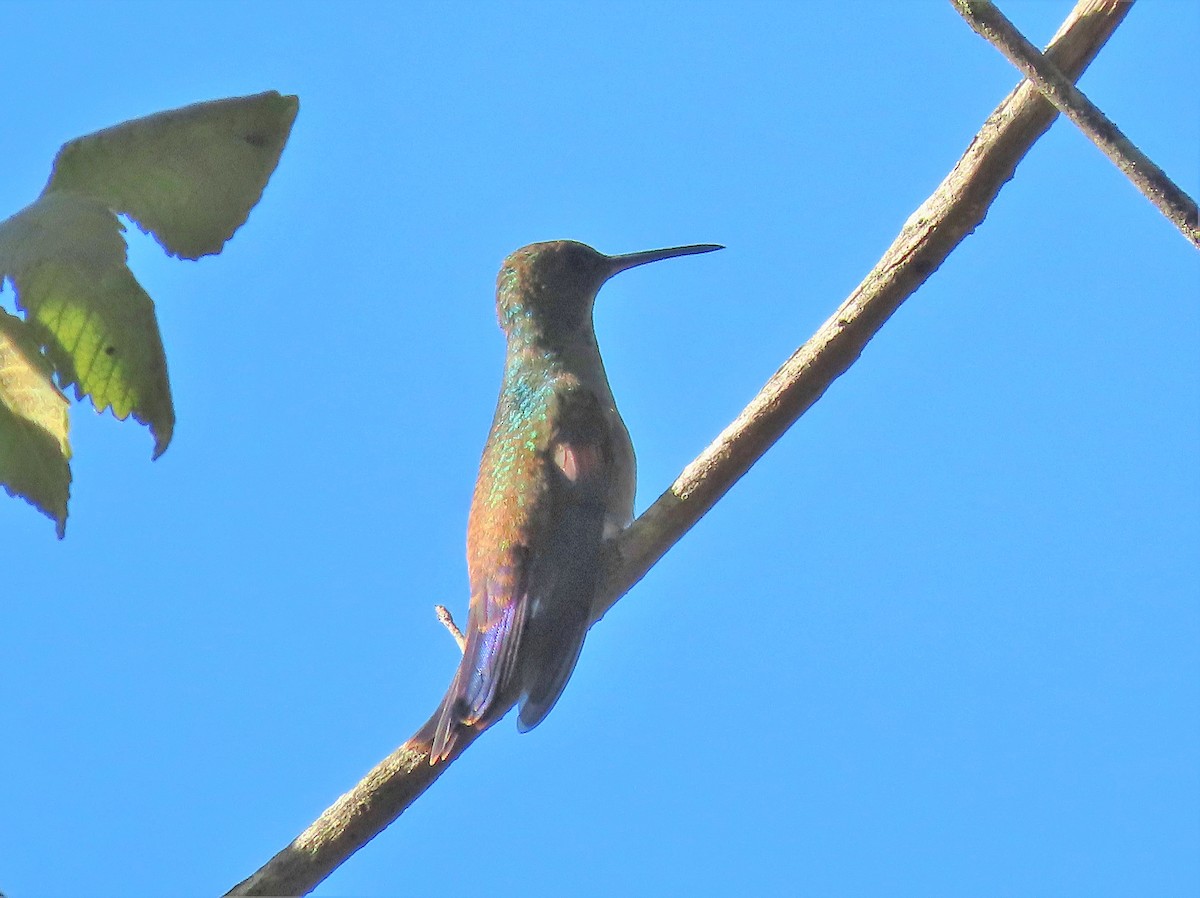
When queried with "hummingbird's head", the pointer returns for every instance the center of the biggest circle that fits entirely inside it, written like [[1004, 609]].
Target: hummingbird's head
[[553, 285]]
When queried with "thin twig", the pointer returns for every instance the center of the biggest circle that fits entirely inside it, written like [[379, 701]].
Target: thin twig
[[447, 619], [1171, 200], [940, 224]]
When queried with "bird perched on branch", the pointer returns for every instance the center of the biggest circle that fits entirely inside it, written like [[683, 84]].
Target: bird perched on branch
[[557, 478]]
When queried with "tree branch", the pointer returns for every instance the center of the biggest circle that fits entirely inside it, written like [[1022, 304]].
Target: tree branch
[[991, 24], [954, 210]]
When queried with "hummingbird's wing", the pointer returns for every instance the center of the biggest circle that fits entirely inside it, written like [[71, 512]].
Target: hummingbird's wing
[[564, 566]]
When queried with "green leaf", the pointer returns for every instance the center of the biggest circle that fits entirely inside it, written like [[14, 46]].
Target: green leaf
[[65, 255], [34, 451], [189, 176]]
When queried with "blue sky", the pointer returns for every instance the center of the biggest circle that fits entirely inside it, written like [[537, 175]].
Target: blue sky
[[942, 640]]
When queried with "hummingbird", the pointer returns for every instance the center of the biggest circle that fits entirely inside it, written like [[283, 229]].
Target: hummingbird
[[557, 478]]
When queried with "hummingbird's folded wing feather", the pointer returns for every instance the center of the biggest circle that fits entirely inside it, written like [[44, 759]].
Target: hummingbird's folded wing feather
[[565, 569]]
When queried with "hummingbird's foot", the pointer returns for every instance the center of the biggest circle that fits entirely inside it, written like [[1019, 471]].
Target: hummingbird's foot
[[443, 614]]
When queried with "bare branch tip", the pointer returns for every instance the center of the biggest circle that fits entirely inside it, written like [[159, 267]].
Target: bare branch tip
[[447, 619]]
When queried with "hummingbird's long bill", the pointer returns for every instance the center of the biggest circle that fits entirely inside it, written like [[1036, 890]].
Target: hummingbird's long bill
[[632, 260]]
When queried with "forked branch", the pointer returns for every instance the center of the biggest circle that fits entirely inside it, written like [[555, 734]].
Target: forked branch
[[1152, 181]]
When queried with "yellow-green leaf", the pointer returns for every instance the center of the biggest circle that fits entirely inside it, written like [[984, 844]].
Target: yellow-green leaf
[[189, 176], [34, 451], [65, 255]]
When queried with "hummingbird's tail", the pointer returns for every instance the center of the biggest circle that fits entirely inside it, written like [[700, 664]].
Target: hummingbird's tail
[[455, 716], [480, 691], [449, 728], [483, 688]]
